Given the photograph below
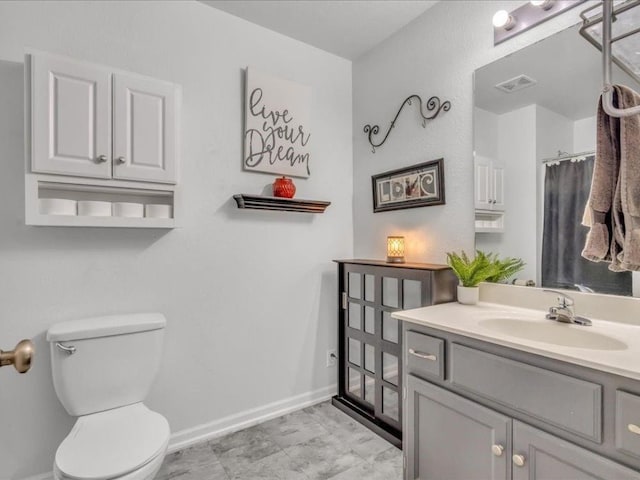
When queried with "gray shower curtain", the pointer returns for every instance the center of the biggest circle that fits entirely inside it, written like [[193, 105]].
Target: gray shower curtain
[[566, 191]]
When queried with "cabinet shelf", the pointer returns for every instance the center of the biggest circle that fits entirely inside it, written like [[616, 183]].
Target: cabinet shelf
[[39, 187], [262, 202], [489, 221]]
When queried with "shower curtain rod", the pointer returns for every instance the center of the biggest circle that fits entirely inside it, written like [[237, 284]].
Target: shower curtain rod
[[567, 156]]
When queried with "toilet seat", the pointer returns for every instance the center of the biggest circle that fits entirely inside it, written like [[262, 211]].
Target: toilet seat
[[112, 444]]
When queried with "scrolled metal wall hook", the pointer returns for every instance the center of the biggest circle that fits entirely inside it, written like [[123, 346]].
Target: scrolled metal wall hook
[[433, 106]]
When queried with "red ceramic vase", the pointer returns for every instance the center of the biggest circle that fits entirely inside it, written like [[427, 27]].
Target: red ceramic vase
[[284, 187]]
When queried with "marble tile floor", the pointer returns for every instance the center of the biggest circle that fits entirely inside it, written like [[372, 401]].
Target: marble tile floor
[[316, 443]]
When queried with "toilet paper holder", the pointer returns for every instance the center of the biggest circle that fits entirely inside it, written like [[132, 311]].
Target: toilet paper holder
[[20, 357]]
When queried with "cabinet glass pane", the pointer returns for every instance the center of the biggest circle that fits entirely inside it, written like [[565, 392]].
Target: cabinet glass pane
[[369, 358], [354, 352], [370, 389], [354, 382], [369, 320], [354, 285], [390, 403], [354, 316], [390, 292], [369, 288], [389, 328], [390, 368], [412, 290]]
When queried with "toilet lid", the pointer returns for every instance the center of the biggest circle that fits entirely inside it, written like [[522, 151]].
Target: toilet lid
[[112, 443]]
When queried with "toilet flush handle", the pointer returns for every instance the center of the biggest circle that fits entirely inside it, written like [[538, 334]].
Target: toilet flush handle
[[70, 350]]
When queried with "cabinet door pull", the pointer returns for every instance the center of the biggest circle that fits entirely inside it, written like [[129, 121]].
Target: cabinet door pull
[[497, 450], [633, 428], [101, 158], [425, 356], [121, 160], [518, 460]]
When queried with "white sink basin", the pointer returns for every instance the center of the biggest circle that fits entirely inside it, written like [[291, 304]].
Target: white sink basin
[[553, 333]]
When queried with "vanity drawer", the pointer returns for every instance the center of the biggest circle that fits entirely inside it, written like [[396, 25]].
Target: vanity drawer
[[568, 403], [628, 423], [425, 355]]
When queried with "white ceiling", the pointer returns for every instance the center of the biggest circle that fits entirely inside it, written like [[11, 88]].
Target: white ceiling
[[568, 70], [347, 28]]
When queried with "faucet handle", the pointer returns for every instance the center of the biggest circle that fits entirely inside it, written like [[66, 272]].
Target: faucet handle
[[564, 300]]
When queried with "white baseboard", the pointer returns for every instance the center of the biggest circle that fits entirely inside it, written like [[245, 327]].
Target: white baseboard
[[248, 418], [42, 476], [238, 421]]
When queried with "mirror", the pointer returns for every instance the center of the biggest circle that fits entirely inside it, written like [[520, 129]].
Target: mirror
[[534, 143]]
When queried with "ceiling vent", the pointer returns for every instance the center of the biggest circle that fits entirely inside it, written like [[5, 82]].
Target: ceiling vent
[[515, 84]]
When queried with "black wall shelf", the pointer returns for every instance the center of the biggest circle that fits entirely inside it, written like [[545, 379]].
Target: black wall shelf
[[262, 202]]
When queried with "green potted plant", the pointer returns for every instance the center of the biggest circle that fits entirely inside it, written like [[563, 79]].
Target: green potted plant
[[507, 268], [484, 267]]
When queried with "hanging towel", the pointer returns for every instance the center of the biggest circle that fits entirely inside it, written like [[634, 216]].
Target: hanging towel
[[603, 186], [614, 201], [629, 258]]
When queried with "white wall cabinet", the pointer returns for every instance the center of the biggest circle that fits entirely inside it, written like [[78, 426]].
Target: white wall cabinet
[[92, 121], [100, 134], [144, 124], [489, 188], [71, 118]]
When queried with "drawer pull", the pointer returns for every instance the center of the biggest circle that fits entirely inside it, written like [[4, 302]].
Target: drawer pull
[[518, 460], [633, 428], [497, 450], [425, 356]]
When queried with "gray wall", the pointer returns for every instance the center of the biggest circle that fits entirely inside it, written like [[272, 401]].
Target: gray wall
[[434, 55], [249, 297]]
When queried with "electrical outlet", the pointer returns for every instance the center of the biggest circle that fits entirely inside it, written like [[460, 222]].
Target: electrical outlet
[[332, 358]]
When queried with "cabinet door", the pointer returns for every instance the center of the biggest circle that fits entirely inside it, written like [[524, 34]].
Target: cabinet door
[[449, 437], [497, 177], [70, 117], [144, 129], [483, 187], [540, 456]]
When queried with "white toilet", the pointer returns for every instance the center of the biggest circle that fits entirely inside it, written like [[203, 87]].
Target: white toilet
[[102, 370]]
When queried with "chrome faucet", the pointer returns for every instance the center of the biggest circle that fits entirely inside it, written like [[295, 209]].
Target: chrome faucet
[[564, 312]]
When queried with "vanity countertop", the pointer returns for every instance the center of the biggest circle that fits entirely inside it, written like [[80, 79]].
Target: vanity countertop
[[607, 346]]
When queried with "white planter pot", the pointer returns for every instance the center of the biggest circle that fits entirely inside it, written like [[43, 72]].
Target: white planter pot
[[468, 295]]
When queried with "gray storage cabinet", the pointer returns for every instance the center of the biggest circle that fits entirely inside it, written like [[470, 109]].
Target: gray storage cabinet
[[370, 341]]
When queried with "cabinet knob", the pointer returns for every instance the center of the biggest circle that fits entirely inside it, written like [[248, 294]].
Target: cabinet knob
[[633, 428], [101, 158], [121, 160], [518, 460], [497, 450]]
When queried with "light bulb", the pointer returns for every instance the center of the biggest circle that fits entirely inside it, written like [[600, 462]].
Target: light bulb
[[502, 19], [544, 4]]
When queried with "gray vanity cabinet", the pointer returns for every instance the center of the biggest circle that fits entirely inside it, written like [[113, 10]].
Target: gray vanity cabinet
[[449, 437], [479, 411], [545, 457]]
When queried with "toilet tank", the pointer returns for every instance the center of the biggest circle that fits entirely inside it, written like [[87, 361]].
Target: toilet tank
[[114, 361]]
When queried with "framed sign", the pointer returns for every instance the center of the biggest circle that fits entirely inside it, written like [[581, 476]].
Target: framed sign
[[420, 185], [276, 132]]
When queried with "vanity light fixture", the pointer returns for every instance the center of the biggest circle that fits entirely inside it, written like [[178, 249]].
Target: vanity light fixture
[[395, 249], [509, 24]]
